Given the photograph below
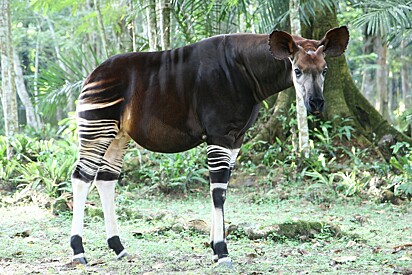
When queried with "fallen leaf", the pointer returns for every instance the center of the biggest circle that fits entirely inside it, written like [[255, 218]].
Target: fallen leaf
[[344, 259], [259, 251], [406, 257], [317, 244], [250, 257], [286, 253], [350, 244], [17, 253], [376, 250], [98, 262], [403, 271], [324, 206], [151, 231], [360, 219], [31, 240], [71, 264], [380, 211], [303, 251], [158, 266], [23, 234], [398, 248]]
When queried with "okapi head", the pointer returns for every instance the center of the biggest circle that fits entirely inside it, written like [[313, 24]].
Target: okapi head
[[308, 61]]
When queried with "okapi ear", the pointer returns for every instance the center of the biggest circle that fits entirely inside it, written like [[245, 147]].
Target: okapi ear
[[335, 41], [282, 45]]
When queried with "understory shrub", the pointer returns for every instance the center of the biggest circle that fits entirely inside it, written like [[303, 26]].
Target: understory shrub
[[169, 172], [335, 162]]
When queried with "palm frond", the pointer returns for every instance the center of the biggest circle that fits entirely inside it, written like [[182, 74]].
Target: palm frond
[[386, 18], [59, 83], [275, 14]]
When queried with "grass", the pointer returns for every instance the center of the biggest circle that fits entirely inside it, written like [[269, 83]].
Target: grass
[[32, 240]]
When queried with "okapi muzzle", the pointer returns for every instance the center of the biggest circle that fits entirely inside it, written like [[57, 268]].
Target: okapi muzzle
[[171, 101]]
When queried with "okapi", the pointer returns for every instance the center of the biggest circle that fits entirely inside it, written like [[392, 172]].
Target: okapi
[[171, 101]]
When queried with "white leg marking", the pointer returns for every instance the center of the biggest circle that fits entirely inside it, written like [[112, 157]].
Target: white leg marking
[[80, 191], [212, 226], [233, 157], [106, 192], [218, 233], [78, 256], [218, 185]]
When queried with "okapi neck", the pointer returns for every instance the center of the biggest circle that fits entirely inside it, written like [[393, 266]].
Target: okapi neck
[[268, 74]]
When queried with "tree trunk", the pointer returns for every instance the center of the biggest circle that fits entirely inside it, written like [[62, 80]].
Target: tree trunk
[[382, 78], [152, 24], [132, 29], [36, 65], [368, 81], [301, 111], [165, 24], [31, 116], [271, 129], [406, 90], [8, 93], [101, 28]]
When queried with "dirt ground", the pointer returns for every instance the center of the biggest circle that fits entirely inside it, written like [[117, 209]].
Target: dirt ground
[[167, 235]]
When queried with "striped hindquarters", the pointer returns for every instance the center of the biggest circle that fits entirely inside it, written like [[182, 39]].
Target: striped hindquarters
[[99, 95], [98, 116]]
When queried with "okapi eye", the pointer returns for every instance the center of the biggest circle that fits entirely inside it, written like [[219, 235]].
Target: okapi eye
[[298, 72], [324, 71]]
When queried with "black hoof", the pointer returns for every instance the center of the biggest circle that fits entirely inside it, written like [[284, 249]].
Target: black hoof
[[81, 260]]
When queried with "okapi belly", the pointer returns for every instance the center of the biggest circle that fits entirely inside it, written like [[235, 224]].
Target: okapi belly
[[155, 135]]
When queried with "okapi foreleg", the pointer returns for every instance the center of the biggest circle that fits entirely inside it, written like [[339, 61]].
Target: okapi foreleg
[[219, 159]]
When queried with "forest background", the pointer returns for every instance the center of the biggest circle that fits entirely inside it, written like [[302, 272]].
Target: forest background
[[359, 148], [48, 48]]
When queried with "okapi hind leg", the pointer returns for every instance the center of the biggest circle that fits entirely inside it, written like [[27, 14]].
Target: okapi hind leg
[[220, 161], [80, 190], [95, 136], [106, 180]]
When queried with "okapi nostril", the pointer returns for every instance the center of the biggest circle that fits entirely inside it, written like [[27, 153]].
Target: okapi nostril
[[321, 104], [316, 103], [312, 105]]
